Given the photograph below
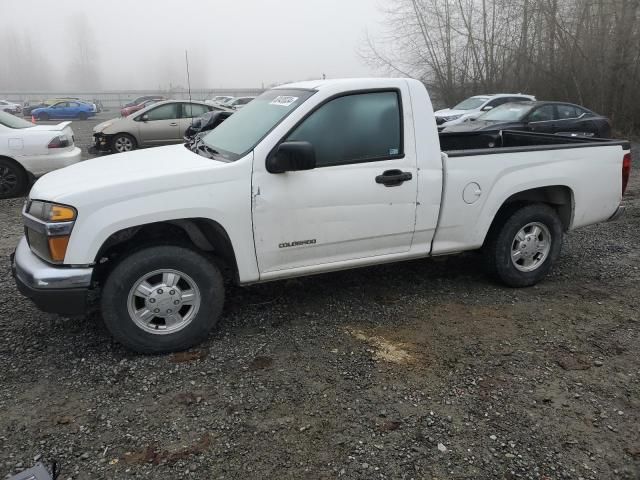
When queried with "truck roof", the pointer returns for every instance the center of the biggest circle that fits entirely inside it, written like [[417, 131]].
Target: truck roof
[[343, 82]]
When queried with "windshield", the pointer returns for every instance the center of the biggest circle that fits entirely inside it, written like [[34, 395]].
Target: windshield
[[509, 112], [12, 121], [245, 128], [471, 103]]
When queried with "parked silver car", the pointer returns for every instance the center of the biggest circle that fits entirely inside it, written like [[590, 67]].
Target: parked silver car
[[162, 123]]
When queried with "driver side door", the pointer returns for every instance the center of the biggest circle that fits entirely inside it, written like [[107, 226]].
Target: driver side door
[[344, 209], [160, 125]]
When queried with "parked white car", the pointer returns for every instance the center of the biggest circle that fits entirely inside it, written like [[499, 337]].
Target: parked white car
[[473, 107], [308, 178], [219, 100], [28, 151], [7, 106], [240, 102]]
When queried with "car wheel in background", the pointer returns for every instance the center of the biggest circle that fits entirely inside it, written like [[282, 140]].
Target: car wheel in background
[[162, 299], [13, 179], [123, 142], [523, 245], [82, 116], [43, 116]]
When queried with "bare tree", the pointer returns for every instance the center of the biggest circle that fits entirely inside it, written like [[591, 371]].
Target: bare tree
[[586, 51]]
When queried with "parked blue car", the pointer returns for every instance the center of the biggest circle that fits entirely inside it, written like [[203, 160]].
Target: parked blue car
[[66, 109]]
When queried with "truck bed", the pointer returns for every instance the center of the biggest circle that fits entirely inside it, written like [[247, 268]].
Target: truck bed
[[501, 141]]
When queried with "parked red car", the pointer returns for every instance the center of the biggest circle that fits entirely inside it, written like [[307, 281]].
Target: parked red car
[[126, 111]]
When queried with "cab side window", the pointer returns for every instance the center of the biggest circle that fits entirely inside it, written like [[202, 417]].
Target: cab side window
[[354, 128]]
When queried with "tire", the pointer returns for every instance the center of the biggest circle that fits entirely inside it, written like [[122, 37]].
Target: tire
[[43, 117], [123, 142], [129, 316], [13, 179], [517, 231], [82, 116]]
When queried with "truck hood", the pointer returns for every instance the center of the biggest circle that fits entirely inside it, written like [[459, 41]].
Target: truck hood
[[123, 175]]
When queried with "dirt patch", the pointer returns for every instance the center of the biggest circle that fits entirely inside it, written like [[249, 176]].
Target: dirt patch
[[384, 349]]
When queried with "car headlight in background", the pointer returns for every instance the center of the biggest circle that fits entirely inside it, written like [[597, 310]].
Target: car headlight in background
[[48, 228]]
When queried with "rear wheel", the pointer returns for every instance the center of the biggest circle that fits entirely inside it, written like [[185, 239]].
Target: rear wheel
[[82, 116], [521, 250], [162, 299], [123, 142], [43, 116], [13, 179]]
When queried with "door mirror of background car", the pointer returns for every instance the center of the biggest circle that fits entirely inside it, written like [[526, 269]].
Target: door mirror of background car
[[292, 156], [487, 108]]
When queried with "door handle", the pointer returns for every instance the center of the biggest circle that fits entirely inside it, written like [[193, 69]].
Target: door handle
[[173, 124], [393, 178]]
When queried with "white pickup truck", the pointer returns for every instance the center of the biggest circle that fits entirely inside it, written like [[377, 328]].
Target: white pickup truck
[[308, 178]]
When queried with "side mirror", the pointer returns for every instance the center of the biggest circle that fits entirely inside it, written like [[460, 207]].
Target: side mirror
[[144, 118], [487, 108], [292, 156]]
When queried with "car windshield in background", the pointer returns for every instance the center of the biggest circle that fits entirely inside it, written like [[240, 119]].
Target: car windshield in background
[[245, 128], [11, 121], [470, 103], [509, 112]]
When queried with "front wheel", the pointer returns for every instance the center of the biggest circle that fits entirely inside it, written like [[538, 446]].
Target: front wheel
[[82, 116], [522, 248], [162, 299], [123, 142]]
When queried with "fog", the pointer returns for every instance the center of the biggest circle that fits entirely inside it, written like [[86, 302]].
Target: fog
[[140, 44]]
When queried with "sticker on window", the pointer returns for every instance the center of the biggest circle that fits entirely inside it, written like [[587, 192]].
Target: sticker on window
[[283, 101], [393, 151]]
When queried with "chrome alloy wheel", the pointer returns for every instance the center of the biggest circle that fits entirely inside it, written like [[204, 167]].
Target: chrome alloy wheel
[[531, 247], [163, 301], [123, 144]]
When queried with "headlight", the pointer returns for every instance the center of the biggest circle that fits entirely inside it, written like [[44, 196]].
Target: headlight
[[48, 228], [452, 117]]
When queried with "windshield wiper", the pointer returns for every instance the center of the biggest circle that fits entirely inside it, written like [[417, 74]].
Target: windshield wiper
[[206, 148]]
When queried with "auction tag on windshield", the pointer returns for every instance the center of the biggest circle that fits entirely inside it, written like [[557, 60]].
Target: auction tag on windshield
[[284, 101]]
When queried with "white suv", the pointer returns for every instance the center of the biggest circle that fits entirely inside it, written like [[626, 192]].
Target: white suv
[[473, 107]]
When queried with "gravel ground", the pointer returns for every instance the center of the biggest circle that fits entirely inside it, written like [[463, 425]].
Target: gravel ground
[[423, 369]]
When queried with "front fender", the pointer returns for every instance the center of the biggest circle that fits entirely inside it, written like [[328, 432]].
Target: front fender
[[227, 202]]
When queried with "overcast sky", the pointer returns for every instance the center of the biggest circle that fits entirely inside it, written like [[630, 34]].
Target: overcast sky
[[231, 43]]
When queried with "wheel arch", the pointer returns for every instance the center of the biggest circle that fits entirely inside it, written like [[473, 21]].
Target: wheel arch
[[204, 235], [559, 197]]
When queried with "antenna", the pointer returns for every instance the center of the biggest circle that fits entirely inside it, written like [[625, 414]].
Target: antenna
[[186, 59]]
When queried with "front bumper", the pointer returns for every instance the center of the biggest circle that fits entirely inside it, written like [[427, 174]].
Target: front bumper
[[101, 143], [54, 289]]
